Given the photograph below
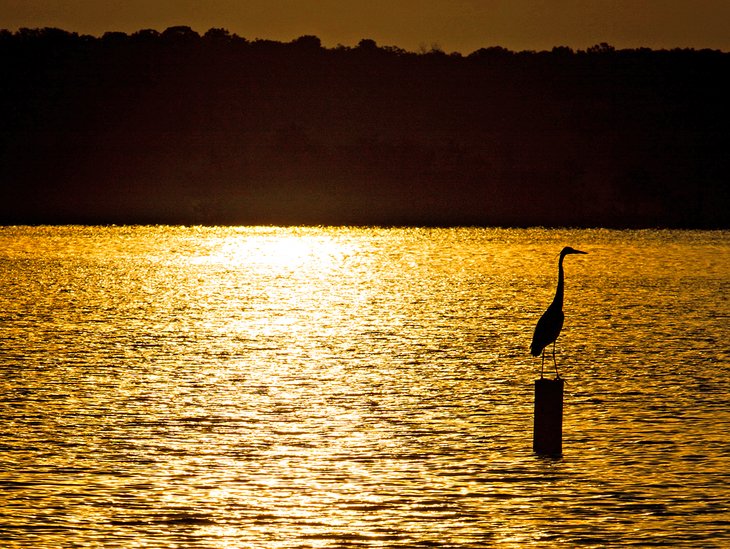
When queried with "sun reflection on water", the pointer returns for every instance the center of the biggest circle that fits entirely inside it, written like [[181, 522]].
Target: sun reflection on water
[[320, 387]]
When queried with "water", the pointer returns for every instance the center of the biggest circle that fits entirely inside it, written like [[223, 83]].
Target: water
[[337, 387]]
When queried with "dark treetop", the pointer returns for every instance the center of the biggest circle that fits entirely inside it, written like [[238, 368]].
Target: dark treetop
[[175, 127]]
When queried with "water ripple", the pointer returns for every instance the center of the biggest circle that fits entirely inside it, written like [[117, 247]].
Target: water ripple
[[336, 387]]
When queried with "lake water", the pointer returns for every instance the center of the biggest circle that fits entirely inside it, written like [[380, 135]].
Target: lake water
[[348, 387]]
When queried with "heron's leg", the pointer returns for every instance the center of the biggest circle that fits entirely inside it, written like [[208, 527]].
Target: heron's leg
[[542, 364], [557, 374]]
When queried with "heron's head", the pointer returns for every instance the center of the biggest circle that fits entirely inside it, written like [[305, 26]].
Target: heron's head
[[568, 250]]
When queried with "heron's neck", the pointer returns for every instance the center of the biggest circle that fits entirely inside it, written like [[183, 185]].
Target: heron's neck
[[558, 299]]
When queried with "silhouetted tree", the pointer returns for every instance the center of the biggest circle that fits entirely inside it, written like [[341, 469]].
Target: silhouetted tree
[[179, 35], [307, 42], [175, 127], [602, 48], [563, 51], [146, 36], [114, 38], [218, 35], [367, 44]]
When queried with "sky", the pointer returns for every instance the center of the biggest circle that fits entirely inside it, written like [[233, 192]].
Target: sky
[[454, 26]]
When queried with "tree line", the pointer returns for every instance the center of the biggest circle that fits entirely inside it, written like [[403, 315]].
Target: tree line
[[178, 127]]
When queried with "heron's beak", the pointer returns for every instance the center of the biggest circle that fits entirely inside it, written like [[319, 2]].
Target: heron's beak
[[579, 252]]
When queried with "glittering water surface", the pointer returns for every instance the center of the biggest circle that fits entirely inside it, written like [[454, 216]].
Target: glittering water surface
[[337, 387]]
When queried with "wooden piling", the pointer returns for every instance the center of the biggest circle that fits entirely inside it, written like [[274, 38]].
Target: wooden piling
[[547, 436]]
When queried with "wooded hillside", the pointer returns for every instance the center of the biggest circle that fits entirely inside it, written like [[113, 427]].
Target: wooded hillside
[[175, 127]]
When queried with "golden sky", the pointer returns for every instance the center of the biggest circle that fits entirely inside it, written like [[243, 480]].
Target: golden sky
[[455, 25]]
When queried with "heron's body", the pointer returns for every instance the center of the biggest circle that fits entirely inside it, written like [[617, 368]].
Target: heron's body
[[551, 322], [547, 329]]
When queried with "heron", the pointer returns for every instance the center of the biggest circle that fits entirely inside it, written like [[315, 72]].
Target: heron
[[551, 322]]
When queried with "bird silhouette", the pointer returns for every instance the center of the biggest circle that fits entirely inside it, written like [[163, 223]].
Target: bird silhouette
[[551, 322]]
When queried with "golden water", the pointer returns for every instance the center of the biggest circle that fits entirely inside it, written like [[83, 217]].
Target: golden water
[[337, 387]]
